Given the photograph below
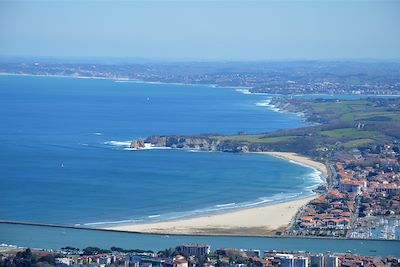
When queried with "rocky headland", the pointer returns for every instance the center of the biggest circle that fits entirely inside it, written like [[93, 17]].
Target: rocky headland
[[202, 143]]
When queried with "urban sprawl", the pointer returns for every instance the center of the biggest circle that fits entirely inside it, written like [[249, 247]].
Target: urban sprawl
[[186, 255]]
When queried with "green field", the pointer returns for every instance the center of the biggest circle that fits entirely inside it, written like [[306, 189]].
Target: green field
[[255, 138], [358, 143], [343, 125], [339, 106], [371, 116], [351, 133]]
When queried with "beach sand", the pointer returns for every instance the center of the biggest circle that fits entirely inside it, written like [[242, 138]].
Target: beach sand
[[300, 159], [256, 221]]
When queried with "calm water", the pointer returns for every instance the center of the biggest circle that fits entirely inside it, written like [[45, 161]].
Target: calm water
[[63, 156], [56, 238], [63, 159]]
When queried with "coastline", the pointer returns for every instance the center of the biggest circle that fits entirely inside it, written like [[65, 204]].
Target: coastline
[[256, 221], [124, 80], [270, 219], [296, 158], [261, 220]]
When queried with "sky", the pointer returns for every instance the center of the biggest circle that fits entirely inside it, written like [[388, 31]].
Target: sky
[[201, 30]]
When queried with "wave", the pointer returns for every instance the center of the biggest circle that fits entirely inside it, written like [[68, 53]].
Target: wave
[[225, 205], [125, 145], [247, 92], [154, 216], [109, 222], [244, 91], [315, 176], [148, 148], [118, 143], [267, 103]]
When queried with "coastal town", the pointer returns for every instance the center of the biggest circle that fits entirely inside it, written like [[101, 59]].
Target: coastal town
[[185, 255], [285, 78], [353, 143], [222, 133], [356, 140], [362, 199]]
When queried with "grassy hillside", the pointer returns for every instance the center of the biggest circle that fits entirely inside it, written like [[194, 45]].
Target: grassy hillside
[[344, 125]]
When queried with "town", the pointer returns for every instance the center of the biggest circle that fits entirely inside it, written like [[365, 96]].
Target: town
[[362, 194], [286, 78], [357, 140], [185, 255], [365, 190]]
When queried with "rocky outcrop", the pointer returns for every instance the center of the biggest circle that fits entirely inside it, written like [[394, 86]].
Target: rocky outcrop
[[137, 144], [199, 143], [184, 142], [203, 143]]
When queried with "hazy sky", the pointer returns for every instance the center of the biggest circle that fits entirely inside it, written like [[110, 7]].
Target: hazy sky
[[228, 30]]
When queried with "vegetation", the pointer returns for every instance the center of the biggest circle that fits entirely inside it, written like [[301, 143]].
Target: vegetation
[[118, 249], [95, 250], [342, 125], [27, 259]]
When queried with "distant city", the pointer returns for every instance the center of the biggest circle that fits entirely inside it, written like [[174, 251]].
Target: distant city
[[287, 78]]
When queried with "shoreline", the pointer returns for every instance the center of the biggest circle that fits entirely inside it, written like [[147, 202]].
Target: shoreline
[[124, 80], [121, 79], [264, 220], [66, 226], [299, 159], [268, 219], [260, 220]]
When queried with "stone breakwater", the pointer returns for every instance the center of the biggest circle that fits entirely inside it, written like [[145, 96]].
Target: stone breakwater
[[202, 143]]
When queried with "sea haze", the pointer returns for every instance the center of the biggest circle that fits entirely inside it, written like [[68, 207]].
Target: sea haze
[[64, 155]]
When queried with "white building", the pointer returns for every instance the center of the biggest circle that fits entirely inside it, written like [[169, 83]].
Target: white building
[[196, 249], [300, 262], [286, 260]]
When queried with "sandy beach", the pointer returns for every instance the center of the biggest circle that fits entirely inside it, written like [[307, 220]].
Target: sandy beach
[[300, 159], [256, 221], [264, 220]]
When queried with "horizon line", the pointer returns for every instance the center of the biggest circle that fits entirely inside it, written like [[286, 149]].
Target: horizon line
[[133, 59]]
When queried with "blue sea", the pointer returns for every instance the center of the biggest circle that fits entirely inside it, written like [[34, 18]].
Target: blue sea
[[64, 154]]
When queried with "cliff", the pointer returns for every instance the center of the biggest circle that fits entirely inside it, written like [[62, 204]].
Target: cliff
[[203, 143]]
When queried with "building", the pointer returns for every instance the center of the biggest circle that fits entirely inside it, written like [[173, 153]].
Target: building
[[300, 262], [317, 260], [349, 186], [180, 261], [132, 261], [252, 252], [389, 189], [63, 262], [286, 260], [104, 260], [331, 261], [196, 249]]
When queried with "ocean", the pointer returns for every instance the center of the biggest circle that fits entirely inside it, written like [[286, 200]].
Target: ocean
[[64, 155]]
